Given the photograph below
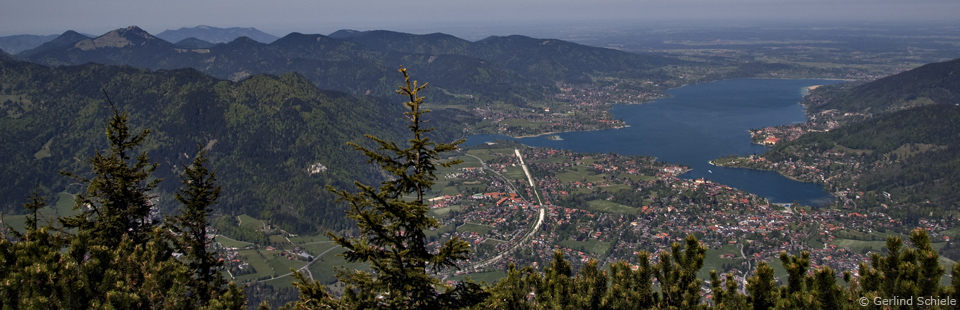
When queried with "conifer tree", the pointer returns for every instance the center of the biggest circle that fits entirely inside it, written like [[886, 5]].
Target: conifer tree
[[631, 289], [392, 220], [198, 194], [828, 293], [116, 257], [555, 289], [677, 272], [903, 271], [117, 198], [726, 293], [798, 293], [30, 267], [590, 286], [762, 288], [510, 292]]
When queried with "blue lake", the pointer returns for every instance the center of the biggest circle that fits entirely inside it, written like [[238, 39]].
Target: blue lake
[[698, 123]]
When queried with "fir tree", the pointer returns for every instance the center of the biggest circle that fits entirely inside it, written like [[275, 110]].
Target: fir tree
[[117, 199], [762, 288], [555, 289], [392, 220], [117, 257], [511, 292], [677, 273], [631, 289], [198, 194]]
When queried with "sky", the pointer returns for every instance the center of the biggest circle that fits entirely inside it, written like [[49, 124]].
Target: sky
[[280, 17]]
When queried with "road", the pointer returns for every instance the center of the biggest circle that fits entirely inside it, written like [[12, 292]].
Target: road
[[536, 227]]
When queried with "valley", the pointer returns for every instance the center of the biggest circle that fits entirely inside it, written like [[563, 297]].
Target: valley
[[590, 148]]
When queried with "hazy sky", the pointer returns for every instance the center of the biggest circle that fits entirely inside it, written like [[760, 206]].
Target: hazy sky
[[280, 17]]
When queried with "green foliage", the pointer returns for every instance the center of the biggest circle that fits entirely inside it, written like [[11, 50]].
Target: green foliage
[[263, 135], [903, 271], [198, 194], [115, 256], [391, 220], [677, 272], [762, 288], [117, 199]]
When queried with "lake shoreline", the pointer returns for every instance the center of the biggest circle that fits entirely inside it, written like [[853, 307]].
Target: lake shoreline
[[699, 123]]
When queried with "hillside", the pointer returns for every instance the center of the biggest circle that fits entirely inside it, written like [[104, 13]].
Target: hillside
[[64, 40], [931, 83], [540, 59], [275, 141], [909, 154]]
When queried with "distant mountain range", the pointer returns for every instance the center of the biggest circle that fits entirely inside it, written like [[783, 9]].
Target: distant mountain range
[[19, 43], [496, 68], [196, 37], [216, 35]]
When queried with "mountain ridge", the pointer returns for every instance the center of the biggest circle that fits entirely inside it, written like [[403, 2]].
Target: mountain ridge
[[215, 34], [520, 66]]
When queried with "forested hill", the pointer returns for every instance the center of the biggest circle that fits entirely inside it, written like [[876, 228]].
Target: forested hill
[[931, 83], [911, 153], [497, 68], [275, 140], [545, 59]]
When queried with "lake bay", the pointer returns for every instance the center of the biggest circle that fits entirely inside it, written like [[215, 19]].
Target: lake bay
[[699, 123]]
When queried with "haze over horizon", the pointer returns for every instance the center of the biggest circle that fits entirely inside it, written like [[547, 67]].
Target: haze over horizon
[[99, 16]]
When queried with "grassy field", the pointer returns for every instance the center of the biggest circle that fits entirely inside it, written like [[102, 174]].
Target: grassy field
[[617, 187], [258, 263], [483, 154], [713, 261], [441, 212], [230, 243], [249, 222], [574, 174], [323, 270], [63, 207], [523, 123], [467, 162], [592, 246], [282, 264], [307, 239], [477, 228], [316, 249], [515, 173], [489, 277], [859, 246], [778, 270], [441, 230], [44, 151], [279, 240], [606, 206]]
